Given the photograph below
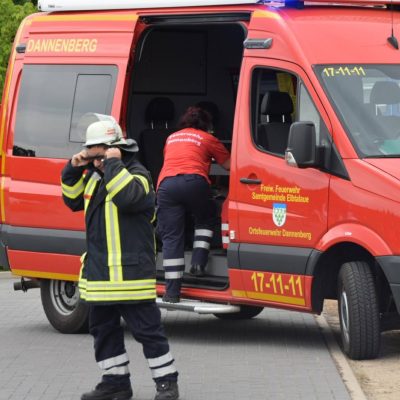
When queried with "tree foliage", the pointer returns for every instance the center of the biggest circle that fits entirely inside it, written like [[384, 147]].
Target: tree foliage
[[11, 15], [21, 2]]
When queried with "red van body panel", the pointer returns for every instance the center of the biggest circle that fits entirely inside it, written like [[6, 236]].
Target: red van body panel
[[322, 210]]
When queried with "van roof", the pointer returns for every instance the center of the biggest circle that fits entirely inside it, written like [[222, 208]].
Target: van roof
[[91, 5], [352, 35], [84, 5]]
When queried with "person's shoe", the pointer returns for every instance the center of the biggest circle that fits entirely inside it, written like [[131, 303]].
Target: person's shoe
[[171, 299], [167, 390], [105, 391], [197, 270]]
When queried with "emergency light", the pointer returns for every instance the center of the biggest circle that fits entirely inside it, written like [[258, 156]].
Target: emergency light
[[82, 5]]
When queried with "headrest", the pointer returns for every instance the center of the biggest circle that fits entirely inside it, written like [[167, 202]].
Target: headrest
[[160, 109], [351, 87], [276, 103], [211, 108], [385, 93]]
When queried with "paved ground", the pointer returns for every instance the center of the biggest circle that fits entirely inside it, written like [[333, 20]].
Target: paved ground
[[380, 378], [277, 355]]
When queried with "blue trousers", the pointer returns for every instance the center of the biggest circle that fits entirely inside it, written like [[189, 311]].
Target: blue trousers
[[144, 322], [176, 197]]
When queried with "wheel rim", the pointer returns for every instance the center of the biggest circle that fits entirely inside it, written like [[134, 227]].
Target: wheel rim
[[344, 316], [65, 296]]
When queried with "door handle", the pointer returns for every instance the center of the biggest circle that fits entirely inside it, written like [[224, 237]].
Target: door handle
[[250, 181]]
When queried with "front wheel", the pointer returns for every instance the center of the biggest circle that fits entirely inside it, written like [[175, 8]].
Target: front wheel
[[246, 312], [358, 311], [62, 306]]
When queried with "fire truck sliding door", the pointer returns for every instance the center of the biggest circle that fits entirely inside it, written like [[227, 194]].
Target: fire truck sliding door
[[73, 64]]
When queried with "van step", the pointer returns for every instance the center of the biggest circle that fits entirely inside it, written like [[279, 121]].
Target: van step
[[204, 282], [199, 307]]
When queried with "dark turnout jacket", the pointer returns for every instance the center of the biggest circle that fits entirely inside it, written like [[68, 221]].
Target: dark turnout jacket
[[119, 265]]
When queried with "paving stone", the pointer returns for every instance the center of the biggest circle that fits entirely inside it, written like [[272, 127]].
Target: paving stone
[[277, 355]]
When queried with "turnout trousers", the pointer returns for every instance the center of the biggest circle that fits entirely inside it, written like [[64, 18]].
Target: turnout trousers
[[144, 322], [176, 196]]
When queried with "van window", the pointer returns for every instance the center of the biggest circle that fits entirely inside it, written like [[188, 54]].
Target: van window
[[52, 98], [278, 99], [366, 99], [273, 100]]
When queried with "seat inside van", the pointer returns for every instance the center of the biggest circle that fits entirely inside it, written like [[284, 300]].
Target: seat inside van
[[385, 103], [158, 116], [275, 120]]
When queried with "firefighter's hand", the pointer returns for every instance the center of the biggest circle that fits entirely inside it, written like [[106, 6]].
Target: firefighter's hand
[[113, 152], [80, 159]]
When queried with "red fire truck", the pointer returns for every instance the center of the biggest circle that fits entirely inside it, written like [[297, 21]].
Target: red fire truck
[[308, 103]]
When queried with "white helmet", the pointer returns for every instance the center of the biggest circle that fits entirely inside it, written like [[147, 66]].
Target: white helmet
[[104, 129]]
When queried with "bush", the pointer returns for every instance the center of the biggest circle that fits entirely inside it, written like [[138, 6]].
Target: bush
[[11, 16]]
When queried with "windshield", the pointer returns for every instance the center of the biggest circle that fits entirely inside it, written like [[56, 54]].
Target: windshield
[[367, 100]]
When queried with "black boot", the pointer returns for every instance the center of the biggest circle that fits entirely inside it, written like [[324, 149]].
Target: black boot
[[197, 270], [171, 299], [106, 391], [167, 390], [172, 290]]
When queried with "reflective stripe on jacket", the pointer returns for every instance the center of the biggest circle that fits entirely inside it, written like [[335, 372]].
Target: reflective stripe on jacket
[[119, 265]]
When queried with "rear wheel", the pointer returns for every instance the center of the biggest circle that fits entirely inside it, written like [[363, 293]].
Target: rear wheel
[[62, 306], [358, 311], [246, 312]]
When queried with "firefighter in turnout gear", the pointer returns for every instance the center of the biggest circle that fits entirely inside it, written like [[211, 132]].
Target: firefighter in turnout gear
[[184, 186], [117, 278]]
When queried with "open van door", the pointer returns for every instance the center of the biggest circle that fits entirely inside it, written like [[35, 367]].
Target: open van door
[[73, 64], [282, 212]]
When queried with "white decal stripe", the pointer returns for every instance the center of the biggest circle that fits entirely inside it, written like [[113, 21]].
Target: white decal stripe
[[201, 244], [157, 362], [124, 370], [173, 275], [171, 262], [160, 372], [203, 232], [113, 361]]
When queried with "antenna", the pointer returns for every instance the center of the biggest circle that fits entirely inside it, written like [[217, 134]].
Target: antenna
[[392, 39]]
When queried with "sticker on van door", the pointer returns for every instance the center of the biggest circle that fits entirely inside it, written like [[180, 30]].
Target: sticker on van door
[[279, 213]]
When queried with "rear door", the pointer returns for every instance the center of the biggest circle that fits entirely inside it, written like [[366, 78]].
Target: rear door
[[73, 64]]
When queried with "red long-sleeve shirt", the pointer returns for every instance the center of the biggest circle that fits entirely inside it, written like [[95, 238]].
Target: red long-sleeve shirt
[[190, 151]]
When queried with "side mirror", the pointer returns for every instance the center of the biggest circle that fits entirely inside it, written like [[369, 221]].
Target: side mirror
[[301, 151]]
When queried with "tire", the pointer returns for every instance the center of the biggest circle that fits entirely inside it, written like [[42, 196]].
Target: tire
[[62, 306], [246, 312], [358, 311]]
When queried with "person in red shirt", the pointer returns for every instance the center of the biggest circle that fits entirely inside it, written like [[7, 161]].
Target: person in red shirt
[[184, 187]]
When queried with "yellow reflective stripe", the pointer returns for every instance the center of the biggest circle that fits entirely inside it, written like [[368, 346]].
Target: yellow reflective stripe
[[125, 285], [145, 295], [81, 281], [113, 241], [153, 218], [89, 189], [82, 257], [144, 182], [118, 182], [72, 192], [82, 285]]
